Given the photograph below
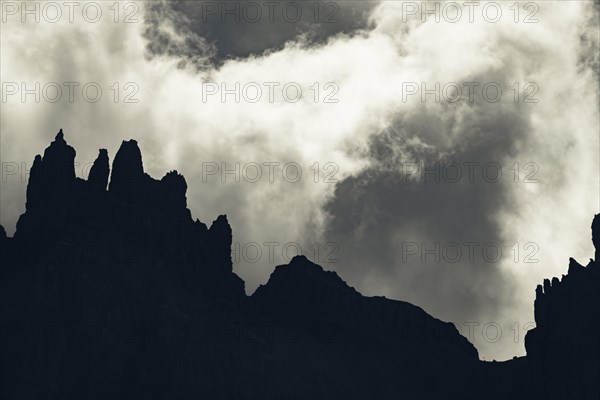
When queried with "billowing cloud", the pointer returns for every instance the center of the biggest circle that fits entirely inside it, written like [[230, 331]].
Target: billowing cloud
[[217, 31]]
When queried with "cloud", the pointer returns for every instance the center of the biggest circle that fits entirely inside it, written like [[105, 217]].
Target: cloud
[[379, 213], [198, 31]]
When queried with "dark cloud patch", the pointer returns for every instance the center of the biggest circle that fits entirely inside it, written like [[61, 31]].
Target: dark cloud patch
[[378, 216], [214, 31], [590, 42], [170, 33]]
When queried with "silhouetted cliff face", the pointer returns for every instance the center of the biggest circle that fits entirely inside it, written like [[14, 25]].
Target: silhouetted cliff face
[[118, 294], [139, 219], [100, 170], [564, 348]]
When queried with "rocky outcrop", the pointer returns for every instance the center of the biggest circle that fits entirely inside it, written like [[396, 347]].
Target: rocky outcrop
[[131, 184], [416, 355], [128, 180], [563, 350], [52, 176], [138, 216], [100, 170], [303, 291], [220, 239], [171, 195]]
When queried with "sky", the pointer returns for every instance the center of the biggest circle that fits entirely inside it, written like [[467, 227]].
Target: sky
[[445, 154]]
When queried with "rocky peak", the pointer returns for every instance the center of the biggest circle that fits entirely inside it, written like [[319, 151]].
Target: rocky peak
[[304, 288], [59, 159], [567, 328], [100, 170], [173, 189], [576, 272], [221, 227], [53, 175], [220, 237], [130, 183], [127, 175], [302, 270]]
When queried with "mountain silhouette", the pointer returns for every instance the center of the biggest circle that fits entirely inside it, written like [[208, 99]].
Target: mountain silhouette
[[109, 289]]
